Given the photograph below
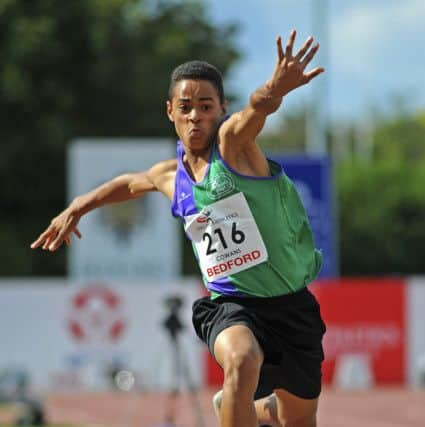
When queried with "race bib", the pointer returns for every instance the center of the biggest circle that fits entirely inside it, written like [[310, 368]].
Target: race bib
[[226, 237]]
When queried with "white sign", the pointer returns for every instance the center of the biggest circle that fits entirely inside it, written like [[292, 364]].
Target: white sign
[[133, 240], [69, 335]]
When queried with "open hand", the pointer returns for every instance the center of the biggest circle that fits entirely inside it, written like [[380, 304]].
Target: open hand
[[58, 232], [289, 71]]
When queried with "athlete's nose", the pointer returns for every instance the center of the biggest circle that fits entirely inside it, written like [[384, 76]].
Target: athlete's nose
[[194, 115]]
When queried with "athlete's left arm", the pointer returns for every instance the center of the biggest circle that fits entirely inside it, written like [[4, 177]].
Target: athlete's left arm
[[289, 73]]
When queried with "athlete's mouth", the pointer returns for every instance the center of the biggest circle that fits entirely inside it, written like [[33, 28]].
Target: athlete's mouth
[[195, 131]]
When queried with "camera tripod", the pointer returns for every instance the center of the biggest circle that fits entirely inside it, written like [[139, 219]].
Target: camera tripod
[[180, 368]]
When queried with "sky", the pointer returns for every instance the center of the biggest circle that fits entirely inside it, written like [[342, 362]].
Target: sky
[[374, 54]]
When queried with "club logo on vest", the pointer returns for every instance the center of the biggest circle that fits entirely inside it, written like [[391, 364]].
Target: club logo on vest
[[220, 185]]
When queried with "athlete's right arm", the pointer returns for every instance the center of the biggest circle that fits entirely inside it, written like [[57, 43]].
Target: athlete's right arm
[[159, 177]]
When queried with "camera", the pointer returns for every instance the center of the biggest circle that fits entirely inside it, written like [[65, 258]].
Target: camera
[[172, 322], [174, 303]]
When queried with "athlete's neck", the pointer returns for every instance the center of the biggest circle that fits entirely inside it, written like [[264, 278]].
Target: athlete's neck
[[196, 162]]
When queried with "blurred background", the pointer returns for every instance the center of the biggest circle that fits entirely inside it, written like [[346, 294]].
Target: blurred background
[[83, 85]]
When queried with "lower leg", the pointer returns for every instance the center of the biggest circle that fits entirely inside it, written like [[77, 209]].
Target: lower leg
[[283, 409], [293, 411], [268, 414], [266, 411], [240, 356], [237, 408]]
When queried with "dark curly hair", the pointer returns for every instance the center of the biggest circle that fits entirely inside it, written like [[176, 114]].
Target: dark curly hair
[[197, 70]]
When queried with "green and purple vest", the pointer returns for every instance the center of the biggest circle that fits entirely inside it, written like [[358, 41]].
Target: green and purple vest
[[250, 235]]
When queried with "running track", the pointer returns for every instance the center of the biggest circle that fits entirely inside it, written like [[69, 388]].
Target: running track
[[391, 407]]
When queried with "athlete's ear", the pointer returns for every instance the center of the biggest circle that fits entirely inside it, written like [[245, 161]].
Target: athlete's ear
[[224, 106], [170, 111]]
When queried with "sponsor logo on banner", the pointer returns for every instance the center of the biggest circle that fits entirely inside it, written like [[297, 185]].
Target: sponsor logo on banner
[[364, 317], [370, 338], [123, 218], [96, 316]]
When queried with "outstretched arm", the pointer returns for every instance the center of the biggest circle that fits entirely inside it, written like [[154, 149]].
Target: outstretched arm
[[120, 189], [289, 74]]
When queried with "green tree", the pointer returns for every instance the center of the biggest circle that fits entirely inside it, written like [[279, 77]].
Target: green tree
[[381, 197], [83, 68], [382, 202]]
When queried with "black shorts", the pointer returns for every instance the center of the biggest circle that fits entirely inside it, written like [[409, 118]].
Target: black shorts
[[289, 329]]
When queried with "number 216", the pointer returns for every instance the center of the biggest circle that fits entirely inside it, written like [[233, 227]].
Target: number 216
[[237, 236]]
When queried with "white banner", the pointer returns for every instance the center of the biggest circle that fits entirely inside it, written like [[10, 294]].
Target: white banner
[[69, 335], [133, 240], [415, 302]]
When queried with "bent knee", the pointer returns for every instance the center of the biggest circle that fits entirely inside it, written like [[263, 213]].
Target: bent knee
[[242, 362], [236, 349], [242, 371]]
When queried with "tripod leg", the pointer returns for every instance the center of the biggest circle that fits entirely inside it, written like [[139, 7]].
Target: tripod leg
[[184, 369], [174, 390]]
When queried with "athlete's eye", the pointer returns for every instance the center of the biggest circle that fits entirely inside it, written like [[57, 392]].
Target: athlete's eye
[[184, 108]]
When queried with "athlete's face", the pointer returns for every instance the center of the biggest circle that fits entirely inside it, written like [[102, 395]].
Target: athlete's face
[[195, 110]]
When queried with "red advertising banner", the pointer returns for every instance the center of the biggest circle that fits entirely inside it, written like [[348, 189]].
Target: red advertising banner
[[364, 317]]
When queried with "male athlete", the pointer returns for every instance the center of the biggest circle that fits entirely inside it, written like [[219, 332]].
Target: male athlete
[[250, 235]]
